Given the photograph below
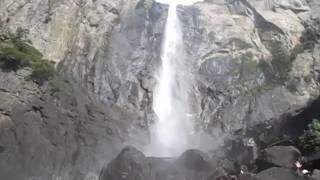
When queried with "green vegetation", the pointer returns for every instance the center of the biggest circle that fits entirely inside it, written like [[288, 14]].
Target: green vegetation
[[260, 89], [16, 52], [281, 61], [298, 49], [248, 64], [55, 85], [42, 71], [278, 70], [310, 140]]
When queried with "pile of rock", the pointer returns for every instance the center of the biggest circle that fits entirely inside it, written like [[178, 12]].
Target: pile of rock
[[276, 163]]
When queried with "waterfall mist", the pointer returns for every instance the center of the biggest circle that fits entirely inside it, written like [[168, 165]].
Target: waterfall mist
[[169, 135]]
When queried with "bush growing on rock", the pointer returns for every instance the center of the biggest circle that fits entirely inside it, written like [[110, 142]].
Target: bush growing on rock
[[12, 59], [298, 49], [42, 71], [281, 61], [310, 140], [16, 52], [248, 64], [278, 70]]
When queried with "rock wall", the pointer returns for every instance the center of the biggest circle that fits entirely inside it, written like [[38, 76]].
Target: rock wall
[[55, 131], [230, 42], [108, 52]]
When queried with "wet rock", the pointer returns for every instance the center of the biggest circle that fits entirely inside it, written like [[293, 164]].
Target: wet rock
[[280, 174], [247, 147], [316, 174], [248, 176], [224, 177], [283, 156], [192, 164], [224, 162], [194, 160], [130, 164]]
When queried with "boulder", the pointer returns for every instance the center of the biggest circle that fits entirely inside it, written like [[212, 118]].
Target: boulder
[[248, 176], [316, 174], [246, 146], [192, 165], [283, 156], [130, 164], [194, 160], [280, 174], [160, 167]]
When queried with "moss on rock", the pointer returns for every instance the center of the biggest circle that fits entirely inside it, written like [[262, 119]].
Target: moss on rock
[[17, 52]]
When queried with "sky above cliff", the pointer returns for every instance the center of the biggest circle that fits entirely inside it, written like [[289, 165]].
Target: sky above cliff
[[182, 2]]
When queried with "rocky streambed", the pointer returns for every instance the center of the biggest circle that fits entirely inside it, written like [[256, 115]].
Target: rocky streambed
[[276, 163]]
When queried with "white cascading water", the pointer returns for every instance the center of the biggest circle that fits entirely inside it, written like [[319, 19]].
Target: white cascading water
[[169, 135]]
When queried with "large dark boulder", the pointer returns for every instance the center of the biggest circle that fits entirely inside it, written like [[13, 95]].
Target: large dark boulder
[[192, 165], [248, 176], [283, 156], [130, 164], [316, 174], [194, 160], [280, 174], [222, 165], [246, 146]]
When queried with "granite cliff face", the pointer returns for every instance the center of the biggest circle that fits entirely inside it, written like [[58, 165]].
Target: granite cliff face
[[244, 57]]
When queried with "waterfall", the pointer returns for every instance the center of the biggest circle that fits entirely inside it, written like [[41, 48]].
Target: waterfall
[[170, 100]]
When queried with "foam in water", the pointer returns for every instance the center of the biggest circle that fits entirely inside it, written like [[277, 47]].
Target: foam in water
[[169, 135]]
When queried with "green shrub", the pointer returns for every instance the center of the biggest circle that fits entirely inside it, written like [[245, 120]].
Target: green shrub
[[278, 70], [42, 71], [310, 140], [16, 52], [12, 59], [298, 49], [55, 85], [281, 61], [248, 64], [260, 89]]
